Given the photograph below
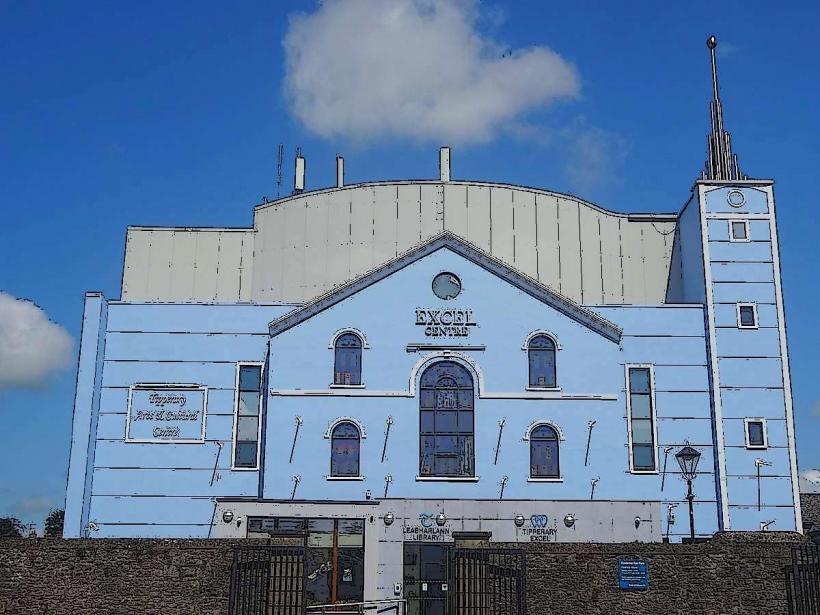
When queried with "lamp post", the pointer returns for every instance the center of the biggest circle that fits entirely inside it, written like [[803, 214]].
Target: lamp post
[[688, 460]]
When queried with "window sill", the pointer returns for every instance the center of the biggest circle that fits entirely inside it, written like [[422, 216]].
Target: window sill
[[559, 479], [448, 479], [343, 478], [233, 469], [554, 389], [753, 447], [644, 472], [748, 327], [345, 386]]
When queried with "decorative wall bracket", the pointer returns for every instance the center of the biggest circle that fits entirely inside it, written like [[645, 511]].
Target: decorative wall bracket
[[295, 435]]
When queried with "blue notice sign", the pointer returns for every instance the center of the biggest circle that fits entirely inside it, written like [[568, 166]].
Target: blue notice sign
[[633, 573]]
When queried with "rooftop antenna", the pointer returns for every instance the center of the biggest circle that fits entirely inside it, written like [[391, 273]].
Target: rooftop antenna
[[280, 158], [299, 175], [721, 163]]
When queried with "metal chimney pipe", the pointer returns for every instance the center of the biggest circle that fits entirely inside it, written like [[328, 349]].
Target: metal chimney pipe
[[340, 172], [444, 164]]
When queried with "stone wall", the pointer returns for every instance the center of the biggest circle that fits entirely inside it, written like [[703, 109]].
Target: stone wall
[[810, 507], [129, 576], [733, 573]]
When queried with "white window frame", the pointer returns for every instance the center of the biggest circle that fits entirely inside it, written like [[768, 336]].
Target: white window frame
[[558, 432], [754, 311], [755, 419], [329, 437], [732, 237], [526, 349], [651, 369], [332, 346], [239, 365]]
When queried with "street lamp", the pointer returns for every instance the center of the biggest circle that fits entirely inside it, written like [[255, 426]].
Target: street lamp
[[688, 460]]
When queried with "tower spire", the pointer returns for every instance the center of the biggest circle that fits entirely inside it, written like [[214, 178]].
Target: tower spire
[[721, 163]]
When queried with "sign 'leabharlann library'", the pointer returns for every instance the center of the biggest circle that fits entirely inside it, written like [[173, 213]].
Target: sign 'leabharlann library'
[[371, 367]]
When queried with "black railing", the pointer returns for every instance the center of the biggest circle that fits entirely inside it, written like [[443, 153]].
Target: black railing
[[803, 580], [267, 580], [487, 582]]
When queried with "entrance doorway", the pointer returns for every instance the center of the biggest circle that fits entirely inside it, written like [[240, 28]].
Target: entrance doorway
[[426, 577]]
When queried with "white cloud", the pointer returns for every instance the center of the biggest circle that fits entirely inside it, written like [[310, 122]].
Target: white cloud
[[724, 49], [31, 346], [595, 157], [812, 475], [35, 505], [809, 481], [417, 69]]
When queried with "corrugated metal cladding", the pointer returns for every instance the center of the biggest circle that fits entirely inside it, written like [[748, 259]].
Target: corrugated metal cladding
[[307, 244], [187, 264]]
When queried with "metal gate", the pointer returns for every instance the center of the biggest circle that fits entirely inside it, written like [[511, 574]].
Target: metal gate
[[440, 579], [267, 580], [487, 582], [803, 580]]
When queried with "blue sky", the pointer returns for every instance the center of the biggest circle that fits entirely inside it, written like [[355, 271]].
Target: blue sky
[[164, 113]]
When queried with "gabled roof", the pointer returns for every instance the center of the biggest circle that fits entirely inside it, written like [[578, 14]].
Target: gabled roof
[[470, 252]]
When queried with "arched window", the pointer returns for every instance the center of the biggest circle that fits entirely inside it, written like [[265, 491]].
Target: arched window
[[446, 423], [347, 367], [344, 450], [544, 452], [541, 353]]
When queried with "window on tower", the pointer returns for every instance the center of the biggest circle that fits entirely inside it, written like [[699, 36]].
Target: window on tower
[[747, 316]]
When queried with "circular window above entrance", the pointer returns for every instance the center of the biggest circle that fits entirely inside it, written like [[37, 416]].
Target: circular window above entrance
[[446, 285]]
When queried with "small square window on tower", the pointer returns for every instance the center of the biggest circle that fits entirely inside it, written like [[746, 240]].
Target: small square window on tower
[[747, 316], [756, 433], [739, 230]]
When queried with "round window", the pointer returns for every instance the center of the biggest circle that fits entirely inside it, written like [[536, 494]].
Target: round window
[[446, 285], [736, 198]]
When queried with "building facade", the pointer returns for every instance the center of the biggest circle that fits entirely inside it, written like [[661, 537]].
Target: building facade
[[377, 368]]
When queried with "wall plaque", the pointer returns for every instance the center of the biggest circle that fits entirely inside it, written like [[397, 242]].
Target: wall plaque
[[633, 573], [166, 413]]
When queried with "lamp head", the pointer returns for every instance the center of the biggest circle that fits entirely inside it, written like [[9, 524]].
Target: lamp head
[[688, 459]]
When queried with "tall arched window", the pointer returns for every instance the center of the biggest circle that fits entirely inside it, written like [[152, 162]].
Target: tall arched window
[[347, 367], [344, 450], [541, 353], [446, 422], [544, 452]]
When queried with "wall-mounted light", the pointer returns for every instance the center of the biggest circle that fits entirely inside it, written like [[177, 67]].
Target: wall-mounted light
[[519, 520], [389, 518], [441, 519], [569, 519], [227, 516], [637, 522]]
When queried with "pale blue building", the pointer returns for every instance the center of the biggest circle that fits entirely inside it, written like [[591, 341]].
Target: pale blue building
[[387, 363]]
